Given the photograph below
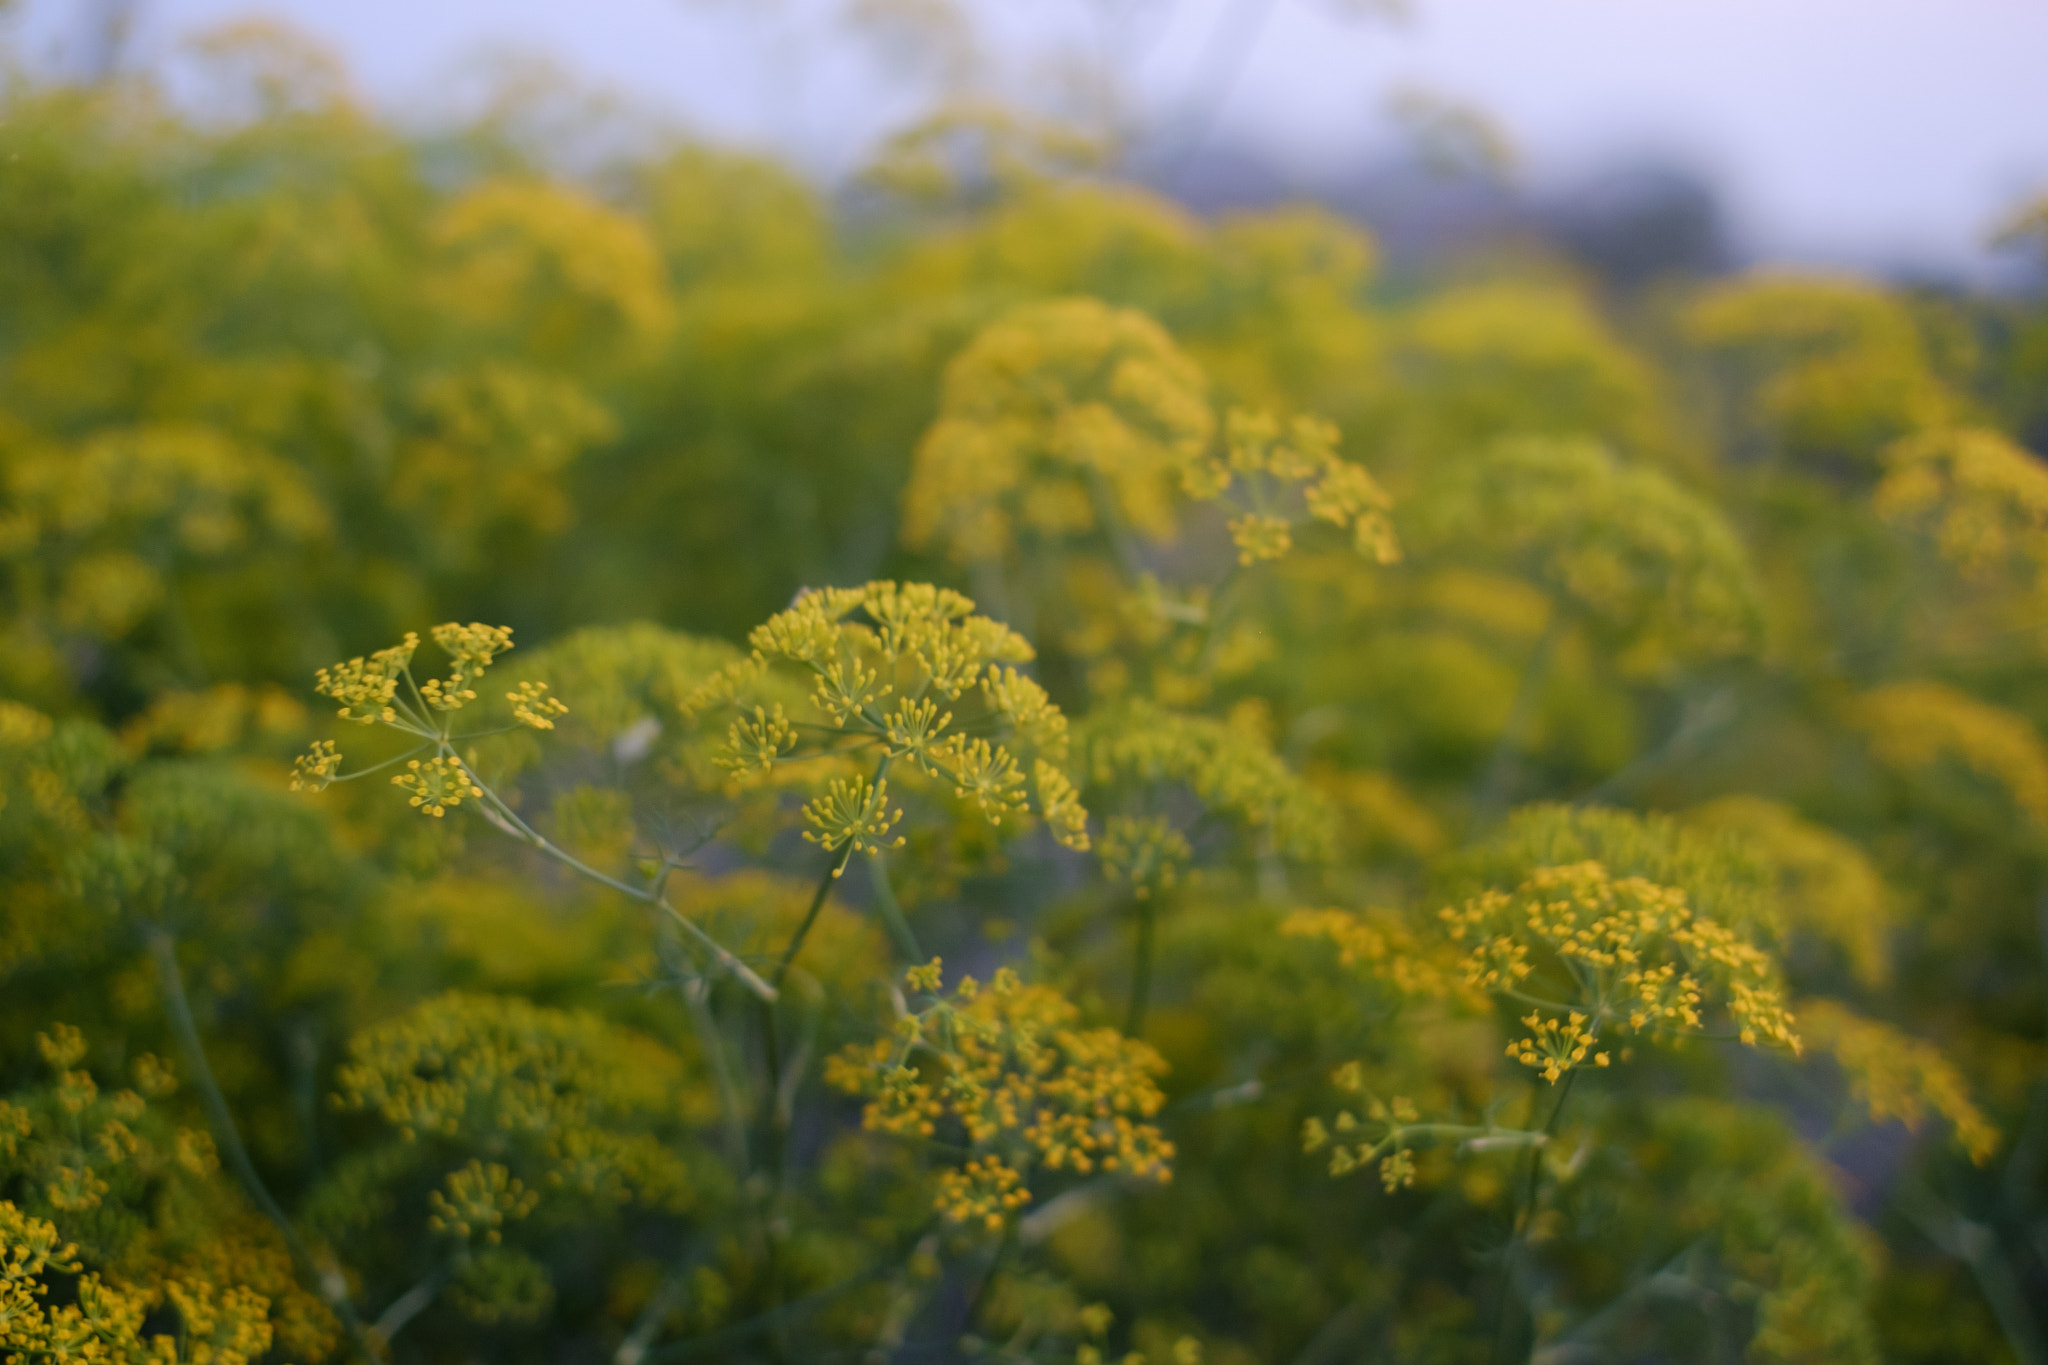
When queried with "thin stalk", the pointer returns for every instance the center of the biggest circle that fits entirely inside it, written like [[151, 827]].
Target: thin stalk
[[1524, 1215], [892, 912], [410, 1304], [1141, 970], [698, 997], [832, 871], [634, 1348], [832, 875], [507, 819], [326, 1280]]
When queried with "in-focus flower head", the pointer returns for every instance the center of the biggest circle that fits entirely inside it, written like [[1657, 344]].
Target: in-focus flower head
[[438, 785], [909, 673], [315, 769], [365, 687], [1005, 1069], [1598, 957], [470, 650], [533, 707]]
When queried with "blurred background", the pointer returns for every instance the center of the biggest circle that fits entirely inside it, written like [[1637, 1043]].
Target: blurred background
[[1676, 375], [1876, 134]]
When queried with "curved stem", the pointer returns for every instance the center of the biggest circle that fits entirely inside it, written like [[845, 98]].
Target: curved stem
[[326, 1279], [892, 912], [505, 818]]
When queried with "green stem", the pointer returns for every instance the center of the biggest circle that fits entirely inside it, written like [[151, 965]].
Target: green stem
[[832, 875], [505, 818], [891, 911], [1141, 970], [832, 871], [698, 997], [1524, 1215], [325, 1279]]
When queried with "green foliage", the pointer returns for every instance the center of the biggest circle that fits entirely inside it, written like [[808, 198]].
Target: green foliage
[[1459, 818]]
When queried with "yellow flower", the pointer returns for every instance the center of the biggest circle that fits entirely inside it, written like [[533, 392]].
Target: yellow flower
[[437, 784], [315, 769], [532, 706]]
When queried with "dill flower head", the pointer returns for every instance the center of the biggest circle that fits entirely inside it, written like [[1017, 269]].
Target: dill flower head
[[1057, 416], [1006, 1070], [533, 707], [853, 813], [1142, 750], [1981, 496], [909, 674], [1595, 957], [315, 769], [437, 784], [365, 687], [1145, 851], [1897, 1076], [470, 650], [477, 1200]]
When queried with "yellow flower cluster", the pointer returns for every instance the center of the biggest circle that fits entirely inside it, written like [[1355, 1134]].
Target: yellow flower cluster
[[853, 812], [1916, 725], [890, 666], [106, 1320], [983, 1193], [1595, 954], [1264, 475], [1626, 548], [1008, 1069], [1071, 417], [1850, 365], [365, 687], [470, 650], [315, 769], [480, 1200], [1828, 886], [438, 785], [564, 1092], [368, 690], [1397, 1167], [1555, 1046], [1058, 418], [1896, 1076], [1985, 497], [1379, 945], [1146, 851], [532, 706], [583, 276], [1230, 768], [139, 1195]]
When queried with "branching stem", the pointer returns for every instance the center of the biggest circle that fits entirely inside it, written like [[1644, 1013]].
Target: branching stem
[[326, 1280]]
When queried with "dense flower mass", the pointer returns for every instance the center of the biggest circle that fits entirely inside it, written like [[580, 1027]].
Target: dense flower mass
[[1496, 811], [1599, 956], [895, 669], [1005, 1069]]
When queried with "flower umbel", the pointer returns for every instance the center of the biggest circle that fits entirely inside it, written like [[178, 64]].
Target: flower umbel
[[1006, 1069], [315, 769], [438, 785], [856, 812], [532, 706]]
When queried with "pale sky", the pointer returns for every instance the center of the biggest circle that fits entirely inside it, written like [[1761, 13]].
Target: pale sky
[[1866, 132]]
